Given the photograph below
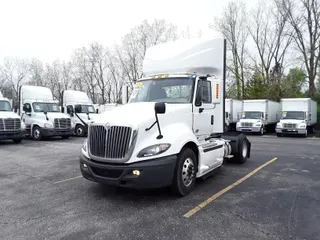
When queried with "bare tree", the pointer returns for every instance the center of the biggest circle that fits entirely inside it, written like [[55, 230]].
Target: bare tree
[[304, 17], [14, 72], [37, 73], [232, 26], [272, 37], [135, 43], [188, 33]]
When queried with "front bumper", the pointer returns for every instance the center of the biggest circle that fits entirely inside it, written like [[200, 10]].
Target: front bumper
[[51, 132], [13, 134], [291, 131], [155, 173], [249, 129]]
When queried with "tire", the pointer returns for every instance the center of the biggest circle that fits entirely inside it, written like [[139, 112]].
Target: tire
[[187, 164], [80, 131], [279, 135], [261, 131], [36, 133], [65, 137], [242, 154], [305, 135], [17, 140]]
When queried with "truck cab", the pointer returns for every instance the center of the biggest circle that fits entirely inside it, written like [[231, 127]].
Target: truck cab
[[41, 114], [251, 121], [86, 112], [11, 127], [171, 130]]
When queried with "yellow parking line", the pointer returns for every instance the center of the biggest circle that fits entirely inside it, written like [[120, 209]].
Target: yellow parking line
[[215, 196], [69, 179]]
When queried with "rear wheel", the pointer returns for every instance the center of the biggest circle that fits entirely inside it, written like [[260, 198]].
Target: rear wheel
[[36, 133], [243, 150], [185, 173]]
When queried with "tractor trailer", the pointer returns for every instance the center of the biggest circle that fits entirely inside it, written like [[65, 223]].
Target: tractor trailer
[[298, 116], [171, 131], [41, 114], [11, 127]]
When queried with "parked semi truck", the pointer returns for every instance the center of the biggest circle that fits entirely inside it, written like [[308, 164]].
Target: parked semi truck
[[298, 116], [171, 130], [71, 100], [41, 114], [233, 108], [258, 116], [11, 127]]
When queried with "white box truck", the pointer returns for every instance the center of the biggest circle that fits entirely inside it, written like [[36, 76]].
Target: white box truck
[[11, 126], [259, 115], [233, 108], [298, 116], [76, 100], [171, 130], [42, 115]]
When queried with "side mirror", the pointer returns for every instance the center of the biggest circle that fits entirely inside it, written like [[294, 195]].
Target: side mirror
[[160, 108], [27, 110], [78, 109], [97, 110]]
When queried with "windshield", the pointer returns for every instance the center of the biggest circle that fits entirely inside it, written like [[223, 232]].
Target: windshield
[[87, 109], [168, 90], [293, 115], [5, 106], [45, 107], [251, 115]]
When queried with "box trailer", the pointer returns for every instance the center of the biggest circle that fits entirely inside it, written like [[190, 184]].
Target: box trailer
[[297, 116], [258, 116], [232, 108]]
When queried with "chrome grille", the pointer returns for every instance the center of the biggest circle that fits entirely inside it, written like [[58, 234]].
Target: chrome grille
[[289, 125], [62, 123], [10, 124], [113, 143], [246, 124]]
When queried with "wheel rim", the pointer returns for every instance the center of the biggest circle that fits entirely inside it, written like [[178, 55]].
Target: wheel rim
[[36, 133], [188, 172], [244, 149], [79, 131]]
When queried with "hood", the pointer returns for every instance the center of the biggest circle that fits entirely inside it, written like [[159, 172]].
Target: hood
[[7, 114], [250, 120], [138, 113], [292, 121], [84, 116]]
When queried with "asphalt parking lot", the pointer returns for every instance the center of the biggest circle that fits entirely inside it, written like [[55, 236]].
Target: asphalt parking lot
[[43, 196]]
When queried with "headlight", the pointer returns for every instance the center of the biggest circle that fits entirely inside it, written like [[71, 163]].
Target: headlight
[[279, 125], [48, 125], [84, 146], [154, 150], [238, 123], [302, 126], [23, 125]]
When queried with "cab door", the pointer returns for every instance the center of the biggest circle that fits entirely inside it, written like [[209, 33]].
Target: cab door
[[203, 118]]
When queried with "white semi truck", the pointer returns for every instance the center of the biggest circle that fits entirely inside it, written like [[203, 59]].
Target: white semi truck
[[171, 130], [233, 108], [41, 114], [72, 100], [11, 127], [258, 115], [298, 116]]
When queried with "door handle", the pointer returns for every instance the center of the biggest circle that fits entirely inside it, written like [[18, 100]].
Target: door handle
[[201, 110], [212, 120]]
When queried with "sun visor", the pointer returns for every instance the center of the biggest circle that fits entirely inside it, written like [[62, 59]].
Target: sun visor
[[200, 56]]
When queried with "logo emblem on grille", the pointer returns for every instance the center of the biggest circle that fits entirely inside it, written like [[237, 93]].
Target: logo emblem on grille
[[107, 126]]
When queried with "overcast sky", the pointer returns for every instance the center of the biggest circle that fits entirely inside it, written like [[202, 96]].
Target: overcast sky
[[48, 30]]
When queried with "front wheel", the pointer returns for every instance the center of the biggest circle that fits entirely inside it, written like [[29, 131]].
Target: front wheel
[[65, 137], [80, 130], [261, 131], [185, 173], [36, 133], [279, 135]]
